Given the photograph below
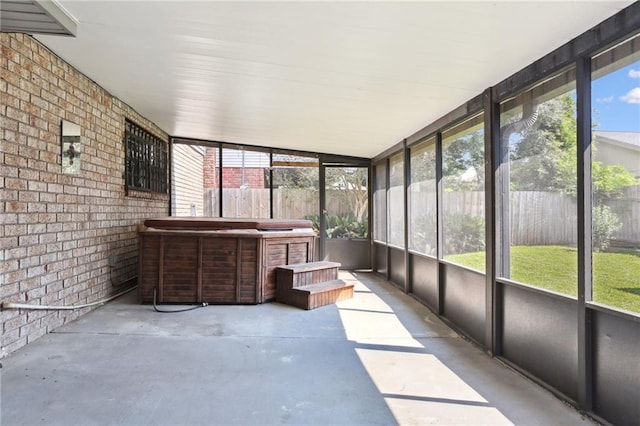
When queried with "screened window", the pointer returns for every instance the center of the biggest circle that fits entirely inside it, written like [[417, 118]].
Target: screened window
[[187, 180], [422, 198], [463, 196], [145, 160], [295, 187], [195, 179], [396, 200], [211, 185], [380, 203], [245, 183], [347, 212], [539, 185], [615, 172]]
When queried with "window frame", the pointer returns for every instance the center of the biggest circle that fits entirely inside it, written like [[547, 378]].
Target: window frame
[[146, 160], [379, 202], [428, 144], [396, 163]]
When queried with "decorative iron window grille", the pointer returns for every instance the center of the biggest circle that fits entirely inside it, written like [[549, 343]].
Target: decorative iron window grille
[[145, 160]]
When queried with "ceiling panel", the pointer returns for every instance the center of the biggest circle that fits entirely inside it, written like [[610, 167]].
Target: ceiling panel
[[350, 78]]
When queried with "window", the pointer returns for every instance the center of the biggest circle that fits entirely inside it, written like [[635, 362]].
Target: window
[[422, 198], [145, 160], [463, 207], [347, 209], [295, 187], [380, 203], [195, 179], [245, 183], [187, 180], [211, 185], [538, 183], [396, 200], [615, 173]]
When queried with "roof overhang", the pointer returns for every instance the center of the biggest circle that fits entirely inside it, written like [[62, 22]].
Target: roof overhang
[[36, 17]]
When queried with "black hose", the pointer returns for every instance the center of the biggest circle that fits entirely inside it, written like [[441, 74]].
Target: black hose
[[190, 308]]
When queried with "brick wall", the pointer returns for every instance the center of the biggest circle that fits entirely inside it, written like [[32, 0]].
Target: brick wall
[[232, 177], [210, 168], [64, 239]]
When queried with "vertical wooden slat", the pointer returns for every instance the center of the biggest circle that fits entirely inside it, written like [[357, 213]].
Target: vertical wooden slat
[[260, 276], [199, 277], [238, 279], [161, 271], [141, 261]]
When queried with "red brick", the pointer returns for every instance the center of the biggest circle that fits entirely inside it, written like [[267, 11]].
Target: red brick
[[48, 215]]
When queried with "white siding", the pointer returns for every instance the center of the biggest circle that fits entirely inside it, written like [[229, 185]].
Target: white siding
[[187, 177]]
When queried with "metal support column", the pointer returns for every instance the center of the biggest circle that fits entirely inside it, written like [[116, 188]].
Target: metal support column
[[387, 183], [585, 352], [493, 215], [408, 282], [440, 241], [271, 183], [322, 219]]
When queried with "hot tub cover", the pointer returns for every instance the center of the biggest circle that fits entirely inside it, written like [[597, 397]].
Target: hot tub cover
[[216, 223]]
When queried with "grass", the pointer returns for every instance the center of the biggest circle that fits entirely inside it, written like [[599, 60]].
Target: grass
[[616, 279]]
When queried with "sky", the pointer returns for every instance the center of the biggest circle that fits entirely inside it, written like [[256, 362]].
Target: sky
[[616, 100]]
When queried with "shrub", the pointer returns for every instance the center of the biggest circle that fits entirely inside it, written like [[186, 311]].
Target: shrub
[[423, 234], [605, 223], [463, 233], [342, 225]]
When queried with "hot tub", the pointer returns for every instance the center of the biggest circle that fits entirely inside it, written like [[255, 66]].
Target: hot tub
[[218, 261]]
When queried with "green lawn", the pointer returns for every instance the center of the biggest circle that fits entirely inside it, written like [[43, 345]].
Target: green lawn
[[616, 275]]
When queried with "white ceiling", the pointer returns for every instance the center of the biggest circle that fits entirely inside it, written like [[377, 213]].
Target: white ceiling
[[350, 78]]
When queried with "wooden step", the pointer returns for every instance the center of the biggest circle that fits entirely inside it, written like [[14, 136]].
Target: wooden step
[[310, 266], [302, 274], [299, 274], [320, 294]]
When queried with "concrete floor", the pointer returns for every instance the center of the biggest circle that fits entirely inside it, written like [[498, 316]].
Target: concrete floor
[[380, 358]]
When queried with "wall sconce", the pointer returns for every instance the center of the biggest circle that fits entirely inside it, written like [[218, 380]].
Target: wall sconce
[[70, 140]]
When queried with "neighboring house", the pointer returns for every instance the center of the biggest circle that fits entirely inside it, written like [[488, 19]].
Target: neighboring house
[[195, 176], [187, 180], [621, 148], [240, 168]]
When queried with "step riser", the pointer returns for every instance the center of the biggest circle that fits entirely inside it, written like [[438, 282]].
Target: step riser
[[314, 277], [330, 297], [292, 280], [312, 301]]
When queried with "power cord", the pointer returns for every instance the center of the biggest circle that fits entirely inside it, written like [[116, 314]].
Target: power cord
[[190, 308]]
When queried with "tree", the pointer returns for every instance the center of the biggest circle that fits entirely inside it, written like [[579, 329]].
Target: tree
[[543, 155], [463, 163], [349, 184], [352, 183], [610, 180], [294, 175]]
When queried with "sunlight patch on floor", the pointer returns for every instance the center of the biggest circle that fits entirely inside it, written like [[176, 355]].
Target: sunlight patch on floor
[[418, 387], [417, 375], [370, 326], [416, 412], [368, 318]]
